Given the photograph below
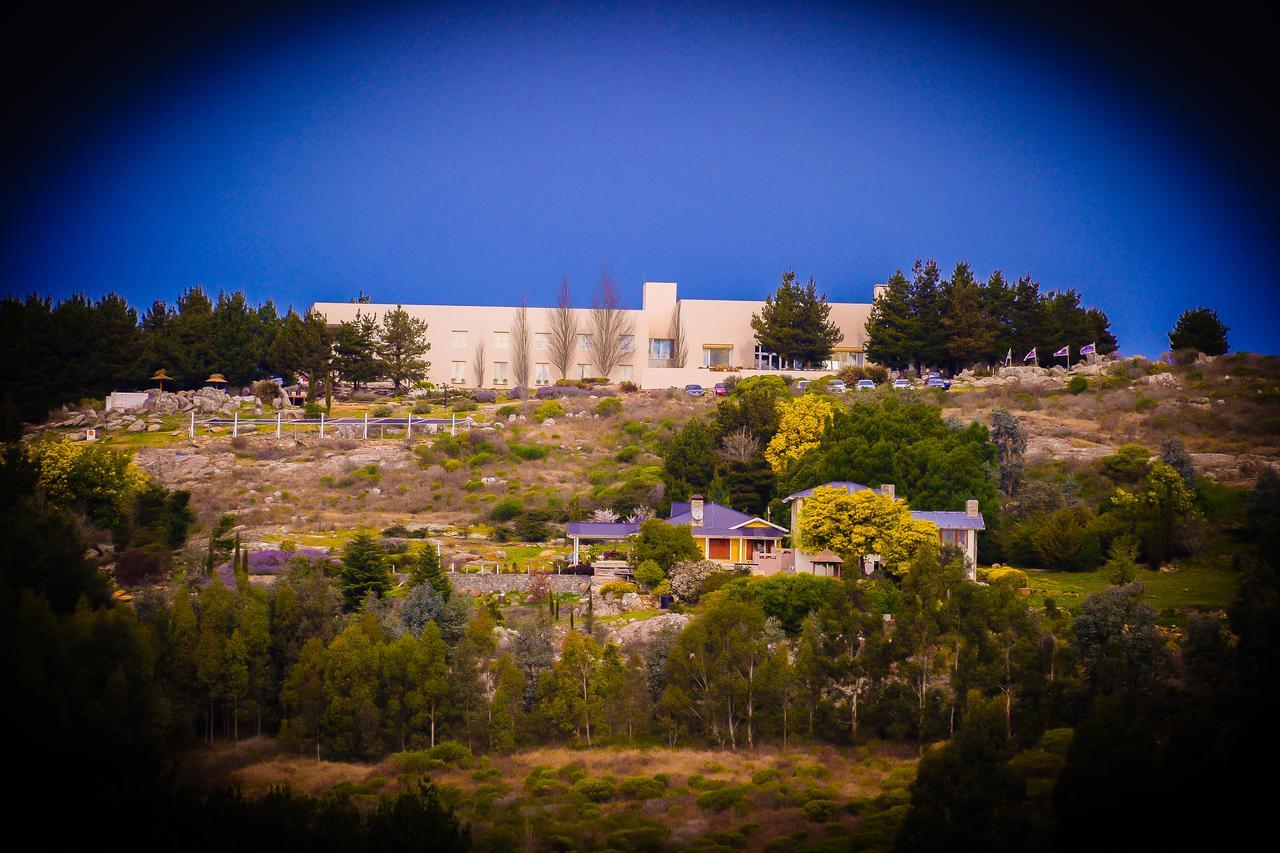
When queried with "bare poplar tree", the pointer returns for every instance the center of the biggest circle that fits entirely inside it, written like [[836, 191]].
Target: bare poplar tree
[[521, 343], [477, 363], [739, 446], [564, 331], [609, 324], [679, 343]]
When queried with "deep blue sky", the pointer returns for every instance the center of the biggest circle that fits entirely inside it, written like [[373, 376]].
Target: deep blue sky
[[476, 155]]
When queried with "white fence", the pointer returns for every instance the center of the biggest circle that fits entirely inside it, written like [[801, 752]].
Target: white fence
[[344, 426]]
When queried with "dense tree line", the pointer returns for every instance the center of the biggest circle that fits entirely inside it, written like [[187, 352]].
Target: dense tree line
[[928, 321], [78, 348]]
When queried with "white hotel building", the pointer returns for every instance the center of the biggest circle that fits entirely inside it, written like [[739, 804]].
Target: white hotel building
[[718, 339]]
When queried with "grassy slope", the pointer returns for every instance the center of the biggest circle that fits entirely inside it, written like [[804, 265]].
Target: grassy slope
[[529, 797]]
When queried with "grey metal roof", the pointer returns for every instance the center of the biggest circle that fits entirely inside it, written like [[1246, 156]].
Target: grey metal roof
[[847, 485], [950, 519]]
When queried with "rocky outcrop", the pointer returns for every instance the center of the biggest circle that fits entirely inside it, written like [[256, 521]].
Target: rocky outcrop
[[641, 633]]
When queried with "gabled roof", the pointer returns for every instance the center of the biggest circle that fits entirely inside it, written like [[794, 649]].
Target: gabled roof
[[847, 485], [717, 521], [950, 519], [827, 556]]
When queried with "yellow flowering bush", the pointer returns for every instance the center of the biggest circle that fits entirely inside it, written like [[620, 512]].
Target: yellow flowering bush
[[856, 524], [90, 477], [801, 422]]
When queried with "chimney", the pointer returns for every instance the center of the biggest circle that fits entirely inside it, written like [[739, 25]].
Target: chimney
[[695, 510], [971, 509], [887, 490]]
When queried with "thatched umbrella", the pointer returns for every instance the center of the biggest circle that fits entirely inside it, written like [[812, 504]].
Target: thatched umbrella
[[161, 377], [215, 379]]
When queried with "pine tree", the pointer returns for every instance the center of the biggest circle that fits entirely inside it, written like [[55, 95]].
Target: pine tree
[[967, 322], [793, 322], [427, 569], [401, 345], [364, 569], [355, 356], [1200, 329], [891, 326]]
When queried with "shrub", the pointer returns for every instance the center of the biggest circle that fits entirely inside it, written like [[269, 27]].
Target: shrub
[[877, 373], [641, 788], [650, 574], [528, 452], [628, 454], [422, 407], [618, 588], [1145, 404], [608, 407], [485, 395], [760, 777], [819, 810], [451, 752], [628, 387], [383, 411], [1078, 385], [719, 799], [463, 405], [508, 410], [266, 391], [549, 409], [596, 790], [1015, 578], [506, 509], [312, 410], [688, 578]]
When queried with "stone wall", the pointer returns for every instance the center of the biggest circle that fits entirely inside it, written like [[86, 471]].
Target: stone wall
[[515, 583]]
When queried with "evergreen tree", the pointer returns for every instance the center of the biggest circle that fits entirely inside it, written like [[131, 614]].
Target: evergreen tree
[[967, 322], [427, 569], [355, 351], [351, 720], [364, 569], [892, 330], [1200, 329], [402, 343], [793, 322]]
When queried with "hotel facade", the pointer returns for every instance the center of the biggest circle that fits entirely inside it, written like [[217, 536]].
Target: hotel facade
[[717, 334]]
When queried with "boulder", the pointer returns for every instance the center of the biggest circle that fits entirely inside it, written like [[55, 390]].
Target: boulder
[[642, 632], [137, 426], [154, 427]]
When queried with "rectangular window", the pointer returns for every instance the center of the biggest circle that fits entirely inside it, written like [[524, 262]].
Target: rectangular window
[[502, 340], [661, 347], [624, 373], [542, 373], [628, 343], [459, 372], [584, 341], [499, 373], [584, 370], [542, 341], [459, 337], [718, 549], [717, 355]]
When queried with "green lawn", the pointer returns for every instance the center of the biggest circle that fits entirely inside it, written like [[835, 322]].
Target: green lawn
[[1195, 587]]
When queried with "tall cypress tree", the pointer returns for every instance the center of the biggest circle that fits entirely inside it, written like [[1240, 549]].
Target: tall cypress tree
[[891, 327], [793, 322]]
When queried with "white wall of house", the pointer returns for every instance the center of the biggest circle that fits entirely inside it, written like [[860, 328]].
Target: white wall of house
[[716, 331]]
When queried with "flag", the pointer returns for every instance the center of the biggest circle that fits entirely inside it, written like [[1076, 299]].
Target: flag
[[1089, 349], [1064, 351], [1031, 356], [1008, 357]]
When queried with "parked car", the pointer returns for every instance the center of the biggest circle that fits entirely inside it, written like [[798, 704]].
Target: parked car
[[938, 382], [802, 384], [902, 383], [694, 390], [836, 386], [865, 385], [722, 390]]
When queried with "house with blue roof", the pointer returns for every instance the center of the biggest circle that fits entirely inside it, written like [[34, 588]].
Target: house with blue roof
[[725, 535], [954, 528]]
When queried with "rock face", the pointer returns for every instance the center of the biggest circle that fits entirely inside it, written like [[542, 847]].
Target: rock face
[[641, 633]]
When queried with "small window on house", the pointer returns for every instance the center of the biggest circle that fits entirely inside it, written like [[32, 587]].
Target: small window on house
[[584, 370], [584, 341], [542, 341], [628, 343], [502, 340], [660, 347], [459, 337], [542, 373], [624, 373], [459, 372], [499, 373]]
